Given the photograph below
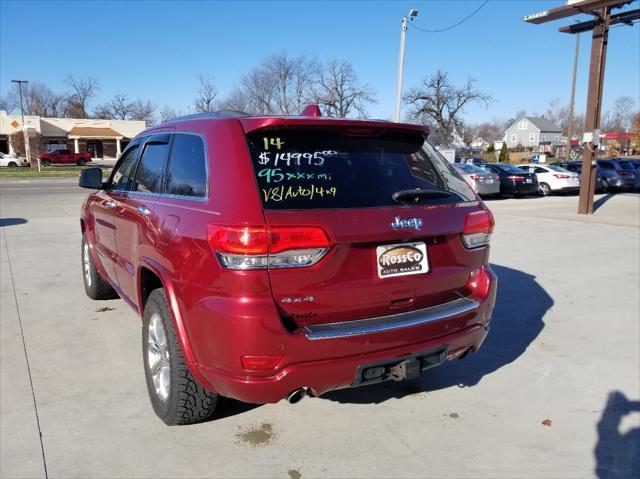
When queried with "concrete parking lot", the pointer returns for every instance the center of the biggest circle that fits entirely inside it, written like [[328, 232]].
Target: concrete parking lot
[[555, 391]]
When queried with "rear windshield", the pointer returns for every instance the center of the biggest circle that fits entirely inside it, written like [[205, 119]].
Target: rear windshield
[[469, 168], [320, 169], [626, 165], [557, 168], [511, 169]]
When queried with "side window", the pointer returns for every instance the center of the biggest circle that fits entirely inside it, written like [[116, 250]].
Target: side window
[[539, 170], [153, 162], [123, 175], [606, 166], [187, 172]]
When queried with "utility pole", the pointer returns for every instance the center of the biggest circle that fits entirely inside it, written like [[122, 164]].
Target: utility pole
[[27, 147], [602, 20], [403, 34], [573, 95]]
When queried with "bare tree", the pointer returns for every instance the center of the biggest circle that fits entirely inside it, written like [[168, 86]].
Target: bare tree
[[207, 94], [258, 90], [237, 100], [489, 131], [118, 108], [6, 103], [142, 111], [292, 78], [82, 91], [439, 102], [167, 113], [619, 117], [339, 92], [38, 99]]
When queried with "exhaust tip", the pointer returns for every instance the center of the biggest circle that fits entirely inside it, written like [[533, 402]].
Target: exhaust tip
[[296, 395]]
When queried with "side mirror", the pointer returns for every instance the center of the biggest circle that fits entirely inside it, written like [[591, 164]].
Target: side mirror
[[91, 178]]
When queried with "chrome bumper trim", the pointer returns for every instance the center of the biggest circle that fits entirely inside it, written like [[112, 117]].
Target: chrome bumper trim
[[392, 322]]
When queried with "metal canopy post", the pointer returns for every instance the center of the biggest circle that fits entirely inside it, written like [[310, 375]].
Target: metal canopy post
[[601, 10], [594, 108]]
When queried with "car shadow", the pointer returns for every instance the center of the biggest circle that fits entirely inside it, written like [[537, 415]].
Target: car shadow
[[517, 321], [12, 222], [617, 454], [228, 407]]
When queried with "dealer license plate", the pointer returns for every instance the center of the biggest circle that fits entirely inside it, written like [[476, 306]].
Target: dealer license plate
[[401, 259]]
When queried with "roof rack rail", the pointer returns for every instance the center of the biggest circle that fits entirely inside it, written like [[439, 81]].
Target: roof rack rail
[[209, 114]]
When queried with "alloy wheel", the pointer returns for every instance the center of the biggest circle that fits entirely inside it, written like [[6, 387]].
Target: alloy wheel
[[158, 357]]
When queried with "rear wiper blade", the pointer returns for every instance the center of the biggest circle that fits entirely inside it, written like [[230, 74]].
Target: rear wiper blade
[[418, 194]]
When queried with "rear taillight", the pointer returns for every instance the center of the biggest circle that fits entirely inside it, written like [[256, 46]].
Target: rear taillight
[[254, 247], [477, 229], [478, 284], [562, 177], [517, 179], [623, 173]]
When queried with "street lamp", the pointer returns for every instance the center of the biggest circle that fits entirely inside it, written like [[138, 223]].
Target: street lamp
[[403, 33], [27, 147]]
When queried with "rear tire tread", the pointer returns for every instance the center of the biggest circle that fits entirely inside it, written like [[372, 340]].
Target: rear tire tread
[[188, 401]]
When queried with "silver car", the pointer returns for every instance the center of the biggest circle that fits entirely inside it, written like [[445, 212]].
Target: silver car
[[482, 182]]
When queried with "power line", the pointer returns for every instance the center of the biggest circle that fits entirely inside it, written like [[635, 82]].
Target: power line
[[455, 24]]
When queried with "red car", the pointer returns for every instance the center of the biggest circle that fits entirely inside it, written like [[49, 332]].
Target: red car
[[279, 257], [64, 157]]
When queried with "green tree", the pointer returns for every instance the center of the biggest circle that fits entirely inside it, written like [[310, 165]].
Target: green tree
[[504, 154]]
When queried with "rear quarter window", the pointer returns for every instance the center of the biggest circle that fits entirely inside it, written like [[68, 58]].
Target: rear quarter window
[[187, 170], [319, 169]]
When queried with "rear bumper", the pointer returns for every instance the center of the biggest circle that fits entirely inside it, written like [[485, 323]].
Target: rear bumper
[[327, 375], [488, 188], [331, 359], [521, 188]]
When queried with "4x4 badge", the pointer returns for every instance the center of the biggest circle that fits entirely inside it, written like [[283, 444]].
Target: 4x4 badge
[[399, 223]]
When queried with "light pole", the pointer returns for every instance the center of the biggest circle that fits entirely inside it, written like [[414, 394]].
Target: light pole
[[27, 147], [573, 95], [403, 34]]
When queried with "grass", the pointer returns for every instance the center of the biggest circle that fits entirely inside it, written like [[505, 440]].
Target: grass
[[46, 172]]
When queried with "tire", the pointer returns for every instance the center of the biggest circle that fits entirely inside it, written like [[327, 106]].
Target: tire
[[81, 162], [545, 189], [45, 162], [94, 285], [12, 164], [175, 395], [605, 186]]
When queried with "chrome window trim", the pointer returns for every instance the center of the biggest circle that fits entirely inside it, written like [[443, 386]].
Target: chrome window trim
[[391, 322]]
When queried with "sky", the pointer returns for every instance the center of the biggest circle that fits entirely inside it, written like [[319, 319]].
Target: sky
[[155, 50]]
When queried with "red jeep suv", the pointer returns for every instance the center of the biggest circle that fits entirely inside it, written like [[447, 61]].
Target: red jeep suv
[[279, 257]]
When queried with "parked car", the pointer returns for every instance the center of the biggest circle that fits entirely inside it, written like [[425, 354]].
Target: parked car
[[63, 157], [575, 166], [553, 179], [482, 182], [10, 161], [513, 180], [471, 160], [617, 174], [279, 257]]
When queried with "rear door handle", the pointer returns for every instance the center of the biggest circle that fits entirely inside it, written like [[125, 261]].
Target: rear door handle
[[143, 210], [110, 204]]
